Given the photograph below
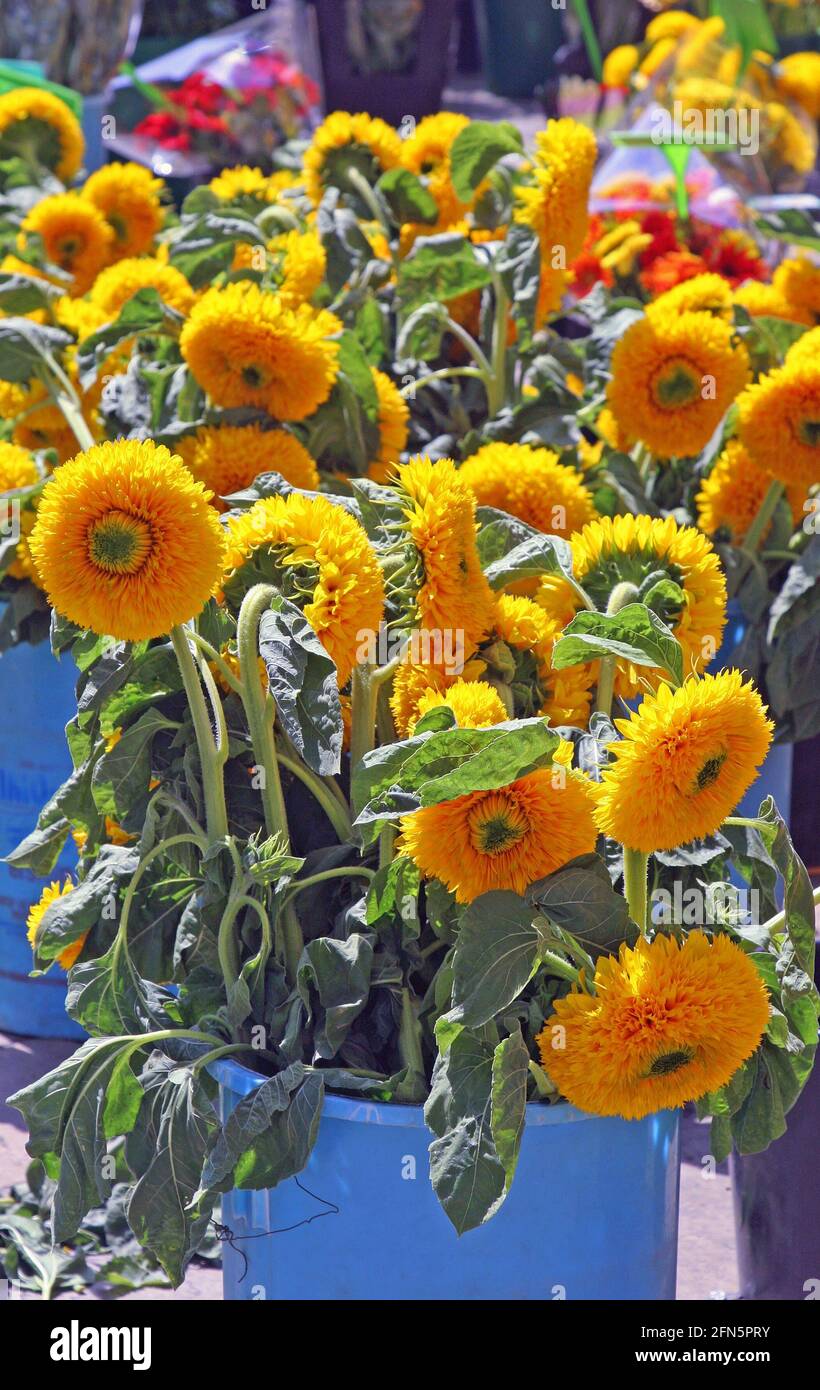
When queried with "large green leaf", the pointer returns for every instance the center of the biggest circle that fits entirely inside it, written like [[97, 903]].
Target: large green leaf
[[25, 348], [496, 954], [302, 681], [107, 996], [466, 1171], [580, 898], [477, 149], [440, 268], [143, 313], [407, 197], [434, 767], [511, 1062], [73, 914], [269, 1134], [121, 776], [21, 294], [339, 972], [634, 634]]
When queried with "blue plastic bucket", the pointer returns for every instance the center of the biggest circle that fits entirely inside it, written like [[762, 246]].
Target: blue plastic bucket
[[37, 693], [775, 776], [592, 1214]]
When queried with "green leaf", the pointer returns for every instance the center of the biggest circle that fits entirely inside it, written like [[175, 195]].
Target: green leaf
[[161, 1212], [467, 1174], [302, 681], [21, 294], [121, 777], [108, 997], [519, 264], [537, 555], [72, 915], [431, 768], [268, 1135], [509, 1100], [40, 850], [439, 268], [634, 634], [496, 955], [372, 331], [475, 151], [339, 972], [144, 312], [580, 898], [26, 346], [407, 197]]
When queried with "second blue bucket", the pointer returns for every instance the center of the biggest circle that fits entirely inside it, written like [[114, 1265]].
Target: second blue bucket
[[37, 694], [592, 1214], [775, 776]]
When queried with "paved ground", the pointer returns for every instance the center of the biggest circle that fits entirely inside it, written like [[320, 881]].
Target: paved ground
[[706, 1263]]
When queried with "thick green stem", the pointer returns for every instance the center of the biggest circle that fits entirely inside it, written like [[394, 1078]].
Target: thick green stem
[[766, 511], [410, 1036], [635, 875], [344, 871], [778, 922], [443, 374], [210, 755], [621, 595], [497, 385], [260, 712], [333, 807], [363, 696]]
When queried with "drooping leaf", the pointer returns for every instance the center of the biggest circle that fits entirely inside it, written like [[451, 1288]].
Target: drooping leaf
[[467, 1174], [339, 972], [302, 681], [475, 151], [509, 1100], [407, 197], [634, 634]]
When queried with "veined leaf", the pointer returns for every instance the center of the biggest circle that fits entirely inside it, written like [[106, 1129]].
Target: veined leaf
[[475, 151], [634, 634], [302, 681]]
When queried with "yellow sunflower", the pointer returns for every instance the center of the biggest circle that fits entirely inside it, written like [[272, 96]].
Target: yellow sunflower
[[619, 65], [628, 549], [302, 263], [128, 196], [74, 234], [36, 913], [666, 1024], [244, 183], [126, 542], [798, 280], [779, 422], [522, 664], [394, 426], [427, 152], [119, 283], [79, 316], [321, 559], [475, 704], [806, 348], [452, 594], [766, 301], [344, 142], [531, 484], [35, 123], [674, 376], [685, 761], [731, 496], [556, 204], [798, 79], [506, 838], [708, 293], [17, 467], [38, 422], [227, 458], [246, 347]]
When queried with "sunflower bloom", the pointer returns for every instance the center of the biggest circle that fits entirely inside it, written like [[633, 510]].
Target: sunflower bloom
[[246, 347], [128, 196], [75, 236], [119, 283], [227, 458], [708, 293], [674, 376], [666, 1024], [507, 838], [427, 152], [126, 542], [766, 301], [685, 761], [17, 467], [798, 280], [245, 184], [344, 142], [475, 704], [34, 120], [453, 594], [527, 634], [798, 79], [730, 498], [49, 895], [531, 484], [394, 427], [628, 549], [556, 206], [321, 559], [779, 422], [806, 348]]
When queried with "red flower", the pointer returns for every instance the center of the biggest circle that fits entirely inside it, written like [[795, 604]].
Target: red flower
[[661, 227], [732, 254], [671, 269]]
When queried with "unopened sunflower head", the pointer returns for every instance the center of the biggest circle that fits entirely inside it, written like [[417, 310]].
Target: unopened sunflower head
[[248, 347], [34, 122], [129, 198], [126, 542], [319, 557], [779, 422], [518, 659], [531, 484], [732, 494], [249, 187], [345, 142], [686, 759], [666, 1023], [227, 458], [674, 376], [74, 237], [508, 837], [435, 582]]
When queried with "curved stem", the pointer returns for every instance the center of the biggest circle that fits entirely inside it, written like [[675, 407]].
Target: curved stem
[[363, 695], [345, 871], [260, 715], [153, 853], [497, 387], [176, 804], [218, 660], [441, 375], [210, 757], [621, 595], [635, 872], [335, 810]]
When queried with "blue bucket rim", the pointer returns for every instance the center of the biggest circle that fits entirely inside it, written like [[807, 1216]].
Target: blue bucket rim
[[233, 1076]]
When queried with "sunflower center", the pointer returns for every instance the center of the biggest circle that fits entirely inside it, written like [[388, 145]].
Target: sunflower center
[[809, 433], [710, 771], [254, 376], [669, 1062], [67, 248], [119, 543], [676, 384], [496, 826]]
